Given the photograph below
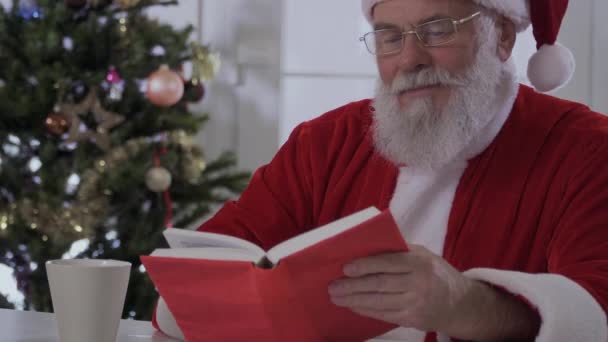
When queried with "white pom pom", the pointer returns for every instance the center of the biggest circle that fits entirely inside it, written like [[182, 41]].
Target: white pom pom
[[551, 67]]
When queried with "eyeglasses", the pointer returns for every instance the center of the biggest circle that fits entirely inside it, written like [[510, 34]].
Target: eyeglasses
[[434, 33]]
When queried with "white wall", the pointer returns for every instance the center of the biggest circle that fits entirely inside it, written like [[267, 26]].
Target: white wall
[[577, 32], [598, 74]]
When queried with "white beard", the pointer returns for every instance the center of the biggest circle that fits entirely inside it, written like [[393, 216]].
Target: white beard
[[423, 137]]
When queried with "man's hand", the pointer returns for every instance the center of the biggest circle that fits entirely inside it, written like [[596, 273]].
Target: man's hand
[[421, 290], [416, 289]]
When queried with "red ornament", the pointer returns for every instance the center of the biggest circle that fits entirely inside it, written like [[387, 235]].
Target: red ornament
[[194, 92], [113, 76], [164, 87], [57, 123]]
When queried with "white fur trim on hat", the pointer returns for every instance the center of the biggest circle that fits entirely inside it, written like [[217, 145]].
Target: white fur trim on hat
[[516, 10], [368, 6]]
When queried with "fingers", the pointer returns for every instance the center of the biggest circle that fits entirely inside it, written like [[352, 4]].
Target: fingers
[[374, 301], [382, 283], [390, 316], [388, 263]]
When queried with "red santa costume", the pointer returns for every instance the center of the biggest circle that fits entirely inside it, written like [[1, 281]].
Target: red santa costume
[[524, 208]]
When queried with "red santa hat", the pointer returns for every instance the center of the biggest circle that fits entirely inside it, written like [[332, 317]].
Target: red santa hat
[[552, 66]]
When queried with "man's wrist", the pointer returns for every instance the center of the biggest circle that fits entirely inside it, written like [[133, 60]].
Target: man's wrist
[[490, 314]]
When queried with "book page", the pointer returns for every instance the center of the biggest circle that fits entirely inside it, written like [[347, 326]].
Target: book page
[[310, 238], [183, 238], [208, 253]]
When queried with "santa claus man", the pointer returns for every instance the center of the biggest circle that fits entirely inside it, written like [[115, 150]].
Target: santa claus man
[[501, 191]]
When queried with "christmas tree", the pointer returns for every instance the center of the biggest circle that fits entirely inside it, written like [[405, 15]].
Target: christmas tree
[[96, 139]]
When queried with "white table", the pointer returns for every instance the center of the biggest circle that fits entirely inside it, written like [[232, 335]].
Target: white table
[[28, 326]]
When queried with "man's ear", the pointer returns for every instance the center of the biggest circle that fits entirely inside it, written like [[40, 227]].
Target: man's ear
[[506, 38]]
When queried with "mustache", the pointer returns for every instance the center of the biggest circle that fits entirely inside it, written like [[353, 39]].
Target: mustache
[[425, 78]]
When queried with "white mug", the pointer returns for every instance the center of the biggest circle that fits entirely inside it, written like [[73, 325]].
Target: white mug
[[88, 297]]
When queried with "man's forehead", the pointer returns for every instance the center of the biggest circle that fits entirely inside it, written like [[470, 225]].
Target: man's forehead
[[402, 13]]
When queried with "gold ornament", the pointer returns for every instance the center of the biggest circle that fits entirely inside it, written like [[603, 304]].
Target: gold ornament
[[105, 119], [205, 64], [193, 166], [192, 162]]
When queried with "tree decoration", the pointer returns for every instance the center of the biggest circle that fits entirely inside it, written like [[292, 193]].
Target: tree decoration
[[193, 161], [116, 91], [92, 200], [164, 87], [57, 123], [122, 44], [158, 179], [4, 221], [205, 64], [75, 222], [113, 76], [106, 120], [194, 91], [116, 85], [123, 27], [67, 43]]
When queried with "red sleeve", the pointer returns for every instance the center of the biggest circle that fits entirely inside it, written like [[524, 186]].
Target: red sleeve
[[276, 204], [579, 248]]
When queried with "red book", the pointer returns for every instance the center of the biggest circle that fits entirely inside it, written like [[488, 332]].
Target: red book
[[222, 288]]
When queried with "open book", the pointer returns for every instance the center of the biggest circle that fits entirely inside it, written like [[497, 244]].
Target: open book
[[222, 288]]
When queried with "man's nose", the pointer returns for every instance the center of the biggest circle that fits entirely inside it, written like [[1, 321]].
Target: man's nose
[[413, 56]]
